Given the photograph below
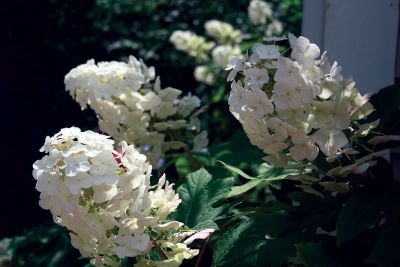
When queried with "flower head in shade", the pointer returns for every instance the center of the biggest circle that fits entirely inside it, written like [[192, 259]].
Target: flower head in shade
[[191, 43], [222, 32]]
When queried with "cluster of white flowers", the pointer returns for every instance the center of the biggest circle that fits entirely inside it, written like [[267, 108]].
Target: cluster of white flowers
[[228, 39], [191, 43], [299, 105], [105, 199], [259, 12], [223, 32], [130, 107], [105, 80]]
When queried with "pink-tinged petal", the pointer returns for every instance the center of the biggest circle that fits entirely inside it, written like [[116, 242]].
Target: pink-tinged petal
[[200, 235]]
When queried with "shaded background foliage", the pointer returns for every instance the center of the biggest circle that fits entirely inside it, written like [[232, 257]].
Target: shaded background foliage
[[42, 40]]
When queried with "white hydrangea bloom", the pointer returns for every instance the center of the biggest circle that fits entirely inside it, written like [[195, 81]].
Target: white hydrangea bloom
[[294, 106], [106, 79], [108, 205], [303, 51], [222, 32], [256, 77], [191, 43], [259, 12], [129, 107]]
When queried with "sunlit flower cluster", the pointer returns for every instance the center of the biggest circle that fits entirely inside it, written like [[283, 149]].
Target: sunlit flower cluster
[[131, 107], [105, 199], [299, 105]]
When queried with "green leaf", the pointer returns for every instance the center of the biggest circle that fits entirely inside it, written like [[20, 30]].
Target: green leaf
[[240, 189], [227, 241], [386, 251], [237, 171], [361, 212], [200, 194], [267, 175], [218, 172], [245, 244], [267, 171]]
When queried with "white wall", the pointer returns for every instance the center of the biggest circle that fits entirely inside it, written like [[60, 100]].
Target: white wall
[[360, 34]]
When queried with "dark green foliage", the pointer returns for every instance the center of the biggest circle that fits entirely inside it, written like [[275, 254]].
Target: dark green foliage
[[263, 241], [240, 244], [121, 24], [270, 239], [361, 212]]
